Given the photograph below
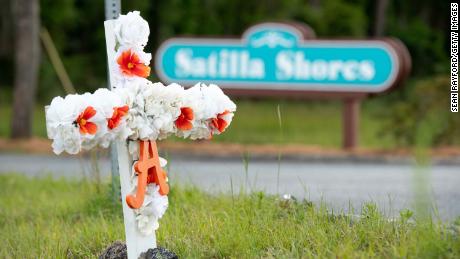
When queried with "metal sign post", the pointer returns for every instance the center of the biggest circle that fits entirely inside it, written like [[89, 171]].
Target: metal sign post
[[112, 10]]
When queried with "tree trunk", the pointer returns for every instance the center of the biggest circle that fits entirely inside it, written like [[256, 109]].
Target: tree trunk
[[6, 25], [316, 4], [380, 15], [27, 56]]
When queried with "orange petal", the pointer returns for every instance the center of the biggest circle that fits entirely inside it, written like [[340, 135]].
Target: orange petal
[[118, 113], [88, 113], [215, 123], [120, 60], [83, 130], [91, 128], [141, 70], [187, 112], [224, 113], [124, 58], [222, 125], [183, 124], [123, 110], [134, 58], [112, 123]]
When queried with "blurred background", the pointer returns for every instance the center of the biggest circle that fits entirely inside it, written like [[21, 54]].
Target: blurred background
[[281, 159], [417, 112]]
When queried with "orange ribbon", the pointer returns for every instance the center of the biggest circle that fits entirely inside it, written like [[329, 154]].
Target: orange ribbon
[[148, 170]]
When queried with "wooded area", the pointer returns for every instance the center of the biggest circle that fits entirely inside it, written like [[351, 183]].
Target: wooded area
[[76, 29]]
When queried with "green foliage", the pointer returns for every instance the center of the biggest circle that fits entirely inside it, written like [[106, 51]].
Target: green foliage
[[335, 18], [343, 19], [425, 44], [45, 218], [77, 30], [423, 116]]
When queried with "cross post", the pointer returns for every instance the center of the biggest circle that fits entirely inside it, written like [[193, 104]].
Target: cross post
[[136, 242]]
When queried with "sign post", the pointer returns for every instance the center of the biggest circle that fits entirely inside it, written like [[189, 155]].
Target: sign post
[[350, 122], [112, 10], [285, 59]]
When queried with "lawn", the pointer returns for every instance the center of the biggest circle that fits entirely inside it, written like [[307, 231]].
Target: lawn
[[45, 218], [257, 122]]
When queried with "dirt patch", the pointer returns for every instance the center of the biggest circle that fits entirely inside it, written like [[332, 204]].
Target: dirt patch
[[32, 145], [209, 148]]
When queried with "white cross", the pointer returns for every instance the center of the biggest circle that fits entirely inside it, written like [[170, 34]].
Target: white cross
[[136, 242]]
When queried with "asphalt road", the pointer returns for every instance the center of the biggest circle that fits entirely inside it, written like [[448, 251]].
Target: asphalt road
[[340, 184]]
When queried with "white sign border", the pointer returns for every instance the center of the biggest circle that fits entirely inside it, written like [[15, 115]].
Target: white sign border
[[283, 86]]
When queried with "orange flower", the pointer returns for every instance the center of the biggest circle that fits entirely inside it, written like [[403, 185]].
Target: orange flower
[[184, 121], [131, 65], [86, 127], [219, 122], [118, 113]]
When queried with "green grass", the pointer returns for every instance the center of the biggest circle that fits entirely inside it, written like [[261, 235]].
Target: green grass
[[44, 218], [302, 122], [256, 122]]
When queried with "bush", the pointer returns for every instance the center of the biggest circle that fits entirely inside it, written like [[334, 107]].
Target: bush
[[422, 116]]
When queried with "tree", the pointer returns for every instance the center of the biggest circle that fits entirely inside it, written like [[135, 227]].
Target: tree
[[380, 15], [27, 56], [5, 28]]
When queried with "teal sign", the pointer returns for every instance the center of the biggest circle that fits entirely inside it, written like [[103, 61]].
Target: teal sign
[[275, 56]]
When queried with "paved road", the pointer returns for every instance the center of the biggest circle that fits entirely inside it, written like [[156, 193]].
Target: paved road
[[338, 184]]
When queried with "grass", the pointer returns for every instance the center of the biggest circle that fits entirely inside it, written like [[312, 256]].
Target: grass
[[257, 122], [45, 218]]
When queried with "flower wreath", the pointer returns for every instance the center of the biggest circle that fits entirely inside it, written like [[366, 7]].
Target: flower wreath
[[137, 109]]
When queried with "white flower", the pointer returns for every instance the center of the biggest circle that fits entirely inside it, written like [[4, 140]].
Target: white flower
[[122, 80], [131, 30], [67, 138], [106, 102], [60, 123], [162, 106], [216, 101], [150, 112], [210, 106], [66, 132], [147, 224], [60, 113], [155, 109], [90, 141], [152, 210], [133, 149], [136, 120], [155, 203]]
